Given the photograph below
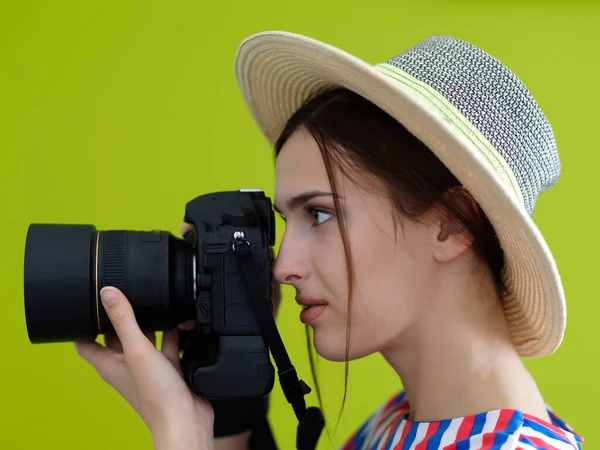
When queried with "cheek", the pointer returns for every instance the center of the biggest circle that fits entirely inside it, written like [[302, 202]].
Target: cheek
[[329, 264], [391, 282], [378, 284]]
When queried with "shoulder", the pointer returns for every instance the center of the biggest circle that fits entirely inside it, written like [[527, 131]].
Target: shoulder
[[504, 429]]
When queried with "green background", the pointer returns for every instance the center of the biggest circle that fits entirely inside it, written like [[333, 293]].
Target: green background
[[116, 113]]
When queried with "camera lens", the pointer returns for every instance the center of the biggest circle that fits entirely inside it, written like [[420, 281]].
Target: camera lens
[[66, 266]]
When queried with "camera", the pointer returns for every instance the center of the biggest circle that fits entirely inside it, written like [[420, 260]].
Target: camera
[[220, 274], [168, 281]]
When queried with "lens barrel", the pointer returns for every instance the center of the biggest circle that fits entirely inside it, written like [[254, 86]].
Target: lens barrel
[[66, 266]]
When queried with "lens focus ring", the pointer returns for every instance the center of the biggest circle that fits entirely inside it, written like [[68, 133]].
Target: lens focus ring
[[113, 264], [113, 257]]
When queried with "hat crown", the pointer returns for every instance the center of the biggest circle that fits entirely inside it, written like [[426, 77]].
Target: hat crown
[[495, 101]]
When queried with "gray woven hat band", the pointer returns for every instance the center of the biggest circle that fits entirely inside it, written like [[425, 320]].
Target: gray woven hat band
[[492, 97]]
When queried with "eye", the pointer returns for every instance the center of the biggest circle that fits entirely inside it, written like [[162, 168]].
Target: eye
[[319, 215]]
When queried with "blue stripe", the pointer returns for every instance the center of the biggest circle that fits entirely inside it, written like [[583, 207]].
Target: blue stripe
[[400, 398], [388, 446], [376, 444], [545, 431], [514, 423], [359, 440], [478, 424], [362, 433], [436, 439], [410, 437], [525, 440], [480, 420]]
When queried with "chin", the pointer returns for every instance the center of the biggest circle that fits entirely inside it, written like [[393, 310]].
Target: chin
[[332, 346]]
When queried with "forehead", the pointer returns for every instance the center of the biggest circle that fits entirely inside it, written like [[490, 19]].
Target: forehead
[[299, 168], [300, 173], [299, 160]]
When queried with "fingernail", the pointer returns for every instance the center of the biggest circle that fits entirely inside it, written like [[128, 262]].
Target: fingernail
[[109, 296]]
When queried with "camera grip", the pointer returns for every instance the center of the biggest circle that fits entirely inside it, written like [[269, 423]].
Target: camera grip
[[241, 368]]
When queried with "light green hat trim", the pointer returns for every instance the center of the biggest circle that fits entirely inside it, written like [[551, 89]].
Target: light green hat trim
[[458, 119]]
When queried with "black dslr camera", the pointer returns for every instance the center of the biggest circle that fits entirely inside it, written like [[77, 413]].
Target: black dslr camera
[[219, 274]]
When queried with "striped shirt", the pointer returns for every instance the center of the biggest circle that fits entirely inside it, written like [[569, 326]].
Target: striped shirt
[[505, 429]]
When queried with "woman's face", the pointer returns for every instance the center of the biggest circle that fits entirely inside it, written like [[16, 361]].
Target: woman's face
[[395, 271]]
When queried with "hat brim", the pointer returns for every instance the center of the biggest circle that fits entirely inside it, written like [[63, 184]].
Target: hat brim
[[278, 71]]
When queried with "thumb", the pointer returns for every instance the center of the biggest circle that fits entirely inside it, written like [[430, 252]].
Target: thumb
[[121, 315]]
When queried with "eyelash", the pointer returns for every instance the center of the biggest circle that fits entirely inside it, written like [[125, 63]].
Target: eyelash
[[310, 210]]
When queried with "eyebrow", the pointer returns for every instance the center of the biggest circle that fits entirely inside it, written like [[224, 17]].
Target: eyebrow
[[303, 198]]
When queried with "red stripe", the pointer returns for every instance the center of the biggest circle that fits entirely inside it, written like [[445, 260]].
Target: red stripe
[[350, 441], [504, 419], [501, 425], [547, 425], [393, 429], [405, 431], [388, 404], [540, 443], [464, 431], [431, 430]]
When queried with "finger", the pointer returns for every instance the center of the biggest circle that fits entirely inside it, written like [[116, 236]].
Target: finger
[[106, 361], [91, 351], [94, 353], [121, 316], [112, 341], [185, 228], [151, 336], [170, 347], [189, 325]]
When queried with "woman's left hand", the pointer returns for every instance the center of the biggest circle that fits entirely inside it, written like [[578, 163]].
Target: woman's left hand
[[150, 380]]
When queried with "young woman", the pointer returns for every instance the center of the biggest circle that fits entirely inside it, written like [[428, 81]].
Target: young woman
[[407, 189]]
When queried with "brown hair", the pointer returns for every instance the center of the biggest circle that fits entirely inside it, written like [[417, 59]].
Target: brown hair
[[353, 132]]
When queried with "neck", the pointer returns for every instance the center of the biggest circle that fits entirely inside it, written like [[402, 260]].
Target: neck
[[459, 359]]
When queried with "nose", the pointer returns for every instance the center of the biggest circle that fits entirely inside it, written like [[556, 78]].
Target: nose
[[291, 264]]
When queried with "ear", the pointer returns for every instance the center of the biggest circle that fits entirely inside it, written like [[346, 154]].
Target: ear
[[452, 239]]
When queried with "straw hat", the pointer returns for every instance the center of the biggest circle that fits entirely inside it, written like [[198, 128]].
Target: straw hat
[[472, 112]]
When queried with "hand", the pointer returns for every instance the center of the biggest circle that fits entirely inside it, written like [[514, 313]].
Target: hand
[[149, 379]]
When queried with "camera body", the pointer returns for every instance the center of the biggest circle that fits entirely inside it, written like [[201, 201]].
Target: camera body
[[227, 357], [168, 281]]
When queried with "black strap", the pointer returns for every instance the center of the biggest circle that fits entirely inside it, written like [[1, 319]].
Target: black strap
[[311, 420], [262, 437]]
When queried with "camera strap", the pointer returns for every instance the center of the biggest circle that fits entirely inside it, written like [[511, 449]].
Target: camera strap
[[310, 420]]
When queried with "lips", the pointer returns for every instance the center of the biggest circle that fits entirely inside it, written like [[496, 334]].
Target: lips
[[309, 302], [313, 307]]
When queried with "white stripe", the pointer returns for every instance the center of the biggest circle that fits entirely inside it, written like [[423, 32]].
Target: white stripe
[[388, 420], [530, 432], [449, 436], [384, 427], [383, 439], [572, 440], [369, 429], [376, 429], [524, 446], [571, 437], [512, 442], [491, 419], [398, 434], [421, 433]]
